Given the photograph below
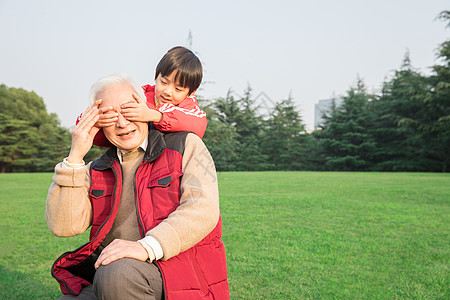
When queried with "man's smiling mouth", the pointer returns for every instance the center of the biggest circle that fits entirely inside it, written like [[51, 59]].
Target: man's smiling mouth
[[127, 133]]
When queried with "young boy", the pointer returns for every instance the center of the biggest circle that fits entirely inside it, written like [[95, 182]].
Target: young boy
[[171, 104]]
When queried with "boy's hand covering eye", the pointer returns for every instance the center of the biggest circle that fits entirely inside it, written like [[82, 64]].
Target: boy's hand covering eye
[[108, 117], [139, 111]]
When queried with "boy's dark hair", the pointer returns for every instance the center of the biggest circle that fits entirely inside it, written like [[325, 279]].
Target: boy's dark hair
[[189, 71]]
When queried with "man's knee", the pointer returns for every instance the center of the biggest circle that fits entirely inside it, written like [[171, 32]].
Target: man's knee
[[109, 275], [127, 276], [116, 275]]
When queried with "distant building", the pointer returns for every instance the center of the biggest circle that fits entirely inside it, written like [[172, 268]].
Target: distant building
[[324, 107]]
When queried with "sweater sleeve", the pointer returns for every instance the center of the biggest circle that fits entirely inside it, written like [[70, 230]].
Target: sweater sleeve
[[186, 116], [198, 212], [68, 209]]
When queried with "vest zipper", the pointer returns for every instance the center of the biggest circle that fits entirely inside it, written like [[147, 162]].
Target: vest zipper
[[162, 279], [138, 214], [141, 225]]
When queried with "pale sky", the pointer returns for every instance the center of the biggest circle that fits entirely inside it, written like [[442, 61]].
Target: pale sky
[[310, 50]]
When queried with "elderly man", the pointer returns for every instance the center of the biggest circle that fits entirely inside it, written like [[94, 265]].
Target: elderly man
[[152, 204]]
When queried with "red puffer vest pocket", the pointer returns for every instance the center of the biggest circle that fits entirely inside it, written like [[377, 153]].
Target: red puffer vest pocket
[[101, 194], [160, 184]]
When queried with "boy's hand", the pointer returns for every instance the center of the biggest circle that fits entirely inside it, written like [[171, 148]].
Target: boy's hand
[[139, 111]]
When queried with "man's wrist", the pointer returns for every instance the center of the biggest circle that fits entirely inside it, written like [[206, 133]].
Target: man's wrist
[[154, 245], [73, 165], [74, 158], [148, 249]]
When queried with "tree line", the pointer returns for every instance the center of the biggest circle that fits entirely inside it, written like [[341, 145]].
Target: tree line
[[31, 139], [405, 127]]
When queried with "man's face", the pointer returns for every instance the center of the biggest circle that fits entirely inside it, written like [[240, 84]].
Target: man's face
[[125, 135], [169, 91]]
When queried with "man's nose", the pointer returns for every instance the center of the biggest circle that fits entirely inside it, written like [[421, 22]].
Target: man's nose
[[121, 121]]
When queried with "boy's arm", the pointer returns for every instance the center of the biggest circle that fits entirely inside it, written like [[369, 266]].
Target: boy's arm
[[187, 116]]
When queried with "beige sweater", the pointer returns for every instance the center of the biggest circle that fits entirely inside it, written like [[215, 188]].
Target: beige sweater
[[69, 212], [125, 225]]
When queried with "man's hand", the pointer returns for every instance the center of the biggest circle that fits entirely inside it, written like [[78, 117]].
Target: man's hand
[[119, 249], [83, 134], [139, 111]]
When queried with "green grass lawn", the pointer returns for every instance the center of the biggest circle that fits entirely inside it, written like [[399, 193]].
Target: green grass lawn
[[288, 235]]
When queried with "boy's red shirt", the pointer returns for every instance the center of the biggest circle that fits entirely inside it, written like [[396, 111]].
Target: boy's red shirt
[[186, 116]]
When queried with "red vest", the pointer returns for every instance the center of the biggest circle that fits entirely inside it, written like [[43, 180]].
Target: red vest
[[197, 273]]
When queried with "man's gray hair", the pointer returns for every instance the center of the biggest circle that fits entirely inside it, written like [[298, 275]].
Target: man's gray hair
[[101, 84]]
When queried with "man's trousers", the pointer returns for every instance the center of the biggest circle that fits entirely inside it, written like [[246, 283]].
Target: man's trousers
[[126, 278]]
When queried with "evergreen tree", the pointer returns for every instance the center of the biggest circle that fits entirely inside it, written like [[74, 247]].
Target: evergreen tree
[[221, 140], [433, 124], [438, 104], [30, 138], [399, 148], [314, 156], [345, 139], [54, 145], [285, 137], [241, 115], [18, 144], [250, 136], [436, 127]]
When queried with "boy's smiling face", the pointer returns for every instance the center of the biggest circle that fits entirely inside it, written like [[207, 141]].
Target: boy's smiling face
[[169, 91]]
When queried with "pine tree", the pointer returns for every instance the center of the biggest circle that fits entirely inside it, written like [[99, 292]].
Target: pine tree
[[399, 148], [250, 136], [346, 140], [241, 115], [221, 140], [437, 131], [433, 124], [285, 137]]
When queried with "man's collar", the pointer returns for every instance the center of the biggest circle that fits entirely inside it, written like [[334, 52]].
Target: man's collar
[[120, 153]]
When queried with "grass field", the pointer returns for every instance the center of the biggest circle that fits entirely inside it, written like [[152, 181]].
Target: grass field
[[288, 235]]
